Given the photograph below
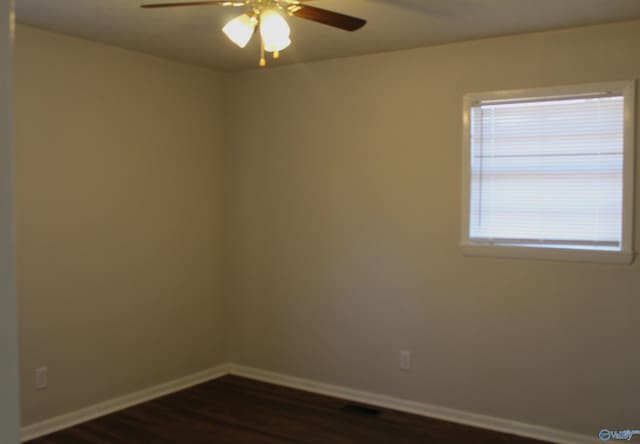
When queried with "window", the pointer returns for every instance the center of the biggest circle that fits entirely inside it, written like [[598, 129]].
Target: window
[[548, 173]]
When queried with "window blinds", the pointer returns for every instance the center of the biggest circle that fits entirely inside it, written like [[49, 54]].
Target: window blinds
[[548, 172]]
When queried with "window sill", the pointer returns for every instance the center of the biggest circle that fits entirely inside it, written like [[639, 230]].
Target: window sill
[[546, 253]]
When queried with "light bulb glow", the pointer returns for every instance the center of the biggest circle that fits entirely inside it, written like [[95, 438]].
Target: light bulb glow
[[240, 29], [274, 30]]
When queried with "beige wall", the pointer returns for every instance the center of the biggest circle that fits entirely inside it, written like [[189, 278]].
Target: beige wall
[[344, 205], [119, 194], [8, 338]]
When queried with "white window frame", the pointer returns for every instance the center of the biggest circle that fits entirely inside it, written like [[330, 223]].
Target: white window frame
[[495, 249]]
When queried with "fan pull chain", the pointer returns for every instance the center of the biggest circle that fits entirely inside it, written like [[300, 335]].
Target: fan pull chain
[[263, 61]]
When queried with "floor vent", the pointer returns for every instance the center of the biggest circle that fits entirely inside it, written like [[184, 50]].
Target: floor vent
[[360, 410]]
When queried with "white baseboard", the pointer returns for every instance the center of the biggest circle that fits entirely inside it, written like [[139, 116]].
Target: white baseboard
[[104, 408], [457, 416], [418, 408]]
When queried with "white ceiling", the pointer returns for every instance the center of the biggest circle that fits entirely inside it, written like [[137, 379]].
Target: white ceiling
[[193, 34]]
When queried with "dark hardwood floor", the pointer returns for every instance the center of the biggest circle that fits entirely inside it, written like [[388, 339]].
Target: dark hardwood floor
[[241, 411]]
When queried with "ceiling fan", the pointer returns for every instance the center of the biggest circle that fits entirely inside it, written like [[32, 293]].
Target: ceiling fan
[[267, 15]]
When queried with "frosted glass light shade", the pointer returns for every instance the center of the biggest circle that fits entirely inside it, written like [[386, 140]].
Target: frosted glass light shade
[[240, 29], [274, 30]]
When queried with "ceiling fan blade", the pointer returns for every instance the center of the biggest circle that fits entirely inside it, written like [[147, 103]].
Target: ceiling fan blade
[[342, 21], [206, 3]]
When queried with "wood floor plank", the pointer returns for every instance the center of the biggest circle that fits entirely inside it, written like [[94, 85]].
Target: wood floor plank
[[234, 410]]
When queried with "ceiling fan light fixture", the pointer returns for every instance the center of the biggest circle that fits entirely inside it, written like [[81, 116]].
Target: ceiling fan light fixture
[[240, 29], [267, 15], [274, 30]]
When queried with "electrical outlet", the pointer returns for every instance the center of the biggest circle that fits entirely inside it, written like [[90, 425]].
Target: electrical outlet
[[405, 359], [42, 378]]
